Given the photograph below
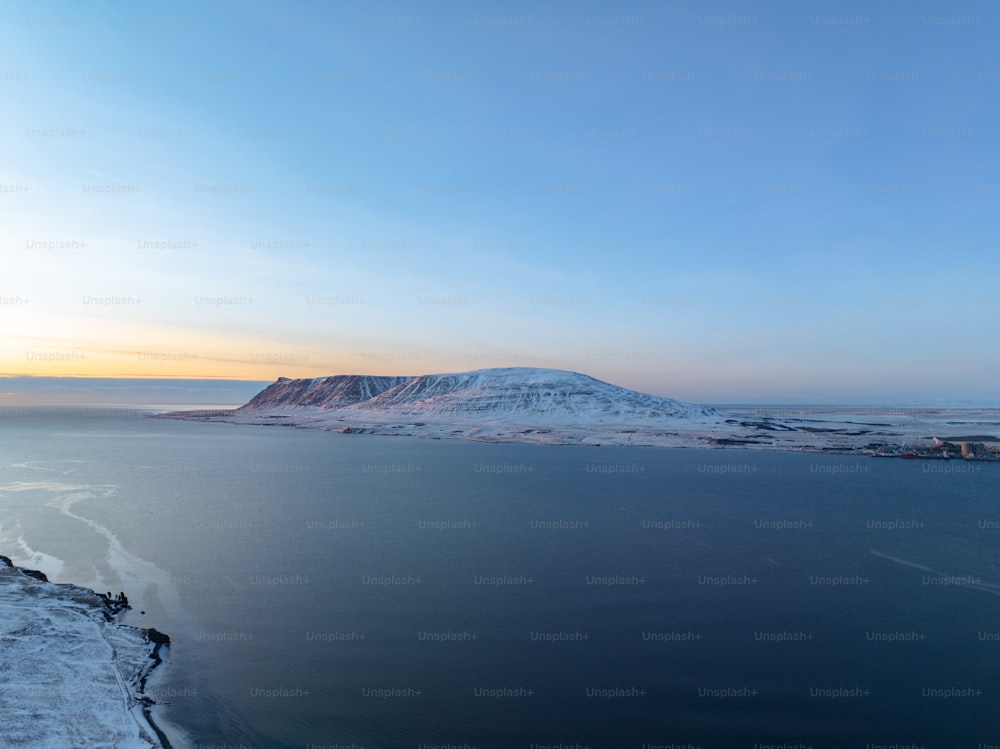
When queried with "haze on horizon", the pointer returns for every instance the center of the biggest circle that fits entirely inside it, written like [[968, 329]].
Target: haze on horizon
[[722, 203]]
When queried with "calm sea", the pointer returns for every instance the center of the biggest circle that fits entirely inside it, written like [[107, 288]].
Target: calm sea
[[327, 590]]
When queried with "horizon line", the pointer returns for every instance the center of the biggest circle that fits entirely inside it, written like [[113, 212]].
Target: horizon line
[[729, 401]]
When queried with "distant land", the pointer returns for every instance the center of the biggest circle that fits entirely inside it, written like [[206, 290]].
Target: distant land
[[559, 407], [83, 391]]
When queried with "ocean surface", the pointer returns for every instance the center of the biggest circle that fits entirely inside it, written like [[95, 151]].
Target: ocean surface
[[328, 590]]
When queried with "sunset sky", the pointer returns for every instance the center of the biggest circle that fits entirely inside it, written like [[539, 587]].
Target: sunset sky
[[719, 202]]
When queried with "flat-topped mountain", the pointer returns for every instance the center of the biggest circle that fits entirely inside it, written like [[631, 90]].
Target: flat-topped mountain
[[543, 406], [511, 395]]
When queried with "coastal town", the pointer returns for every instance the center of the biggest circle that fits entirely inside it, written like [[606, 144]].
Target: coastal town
[[909, 434], [963, 448]]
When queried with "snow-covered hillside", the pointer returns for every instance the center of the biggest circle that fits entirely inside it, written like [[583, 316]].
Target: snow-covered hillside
[[72, 675], [514, 395], [512, 404]]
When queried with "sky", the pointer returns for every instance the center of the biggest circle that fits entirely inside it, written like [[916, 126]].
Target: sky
[[746, 202]]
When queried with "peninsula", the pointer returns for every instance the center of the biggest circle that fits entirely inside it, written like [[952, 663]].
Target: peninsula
[[559, 407]]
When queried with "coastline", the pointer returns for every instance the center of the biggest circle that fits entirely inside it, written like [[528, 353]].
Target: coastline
[[100, 700], [559, 407], [824, 430]]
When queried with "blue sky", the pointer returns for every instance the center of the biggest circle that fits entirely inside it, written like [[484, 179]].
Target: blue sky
[[721, 202]]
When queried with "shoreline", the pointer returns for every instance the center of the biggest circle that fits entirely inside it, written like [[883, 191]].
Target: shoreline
[[823, 430], [90, 622]]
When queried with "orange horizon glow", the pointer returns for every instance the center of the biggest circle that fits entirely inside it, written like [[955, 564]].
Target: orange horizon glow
[[120, 350]]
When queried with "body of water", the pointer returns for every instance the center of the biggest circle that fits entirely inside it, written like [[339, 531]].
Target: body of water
[[328, 590]]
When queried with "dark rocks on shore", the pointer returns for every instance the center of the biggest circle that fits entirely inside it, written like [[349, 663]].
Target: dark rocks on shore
[[115, 604], [156, 637]]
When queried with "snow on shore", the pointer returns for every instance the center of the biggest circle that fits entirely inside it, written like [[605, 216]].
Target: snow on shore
[[72, 675]]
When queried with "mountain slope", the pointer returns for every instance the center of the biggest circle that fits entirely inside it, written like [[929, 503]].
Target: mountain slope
[[323, 392], [515, 395]]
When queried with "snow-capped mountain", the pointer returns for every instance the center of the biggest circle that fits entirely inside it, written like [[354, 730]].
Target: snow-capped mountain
[[544, 406], [514, 395], [512, 404]]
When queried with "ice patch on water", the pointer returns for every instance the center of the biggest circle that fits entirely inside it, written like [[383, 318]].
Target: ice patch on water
[[52, 486], [131, 573], [50, 565], [35, 465], [147, 586]]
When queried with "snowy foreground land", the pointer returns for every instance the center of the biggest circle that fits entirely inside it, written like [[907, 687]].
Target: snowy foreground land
[[557, 407], [72, 675]]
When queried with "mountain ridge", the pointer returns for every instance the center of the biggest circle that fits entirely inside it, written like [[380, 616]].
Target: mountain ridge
[[505, 393]]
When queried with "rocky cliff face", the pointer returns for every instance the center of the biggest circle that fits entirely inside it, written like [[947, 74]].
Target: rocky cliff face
[[323, 392]]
